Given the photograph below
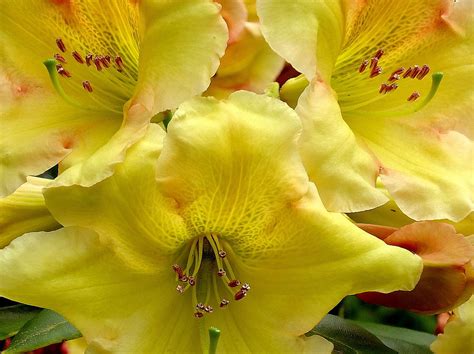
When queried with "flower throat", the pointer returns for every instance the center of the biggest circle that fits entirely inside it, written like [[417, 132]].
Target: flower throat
[[207, 266]]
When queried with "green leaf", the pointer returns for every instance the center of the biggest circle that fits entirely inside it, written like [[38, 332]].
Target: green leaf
[[349, 338], [13, 317], [400, 339], [46, 328]]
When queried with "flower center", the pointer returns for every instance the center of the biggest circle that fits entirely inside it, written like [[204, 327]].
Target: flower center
[[94, 81], [362, 88], [207, 267]]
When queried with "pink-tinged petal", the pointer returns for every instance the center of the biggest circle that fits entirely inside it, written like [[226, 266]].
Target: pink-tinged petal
[[234, 13], [248, 64]]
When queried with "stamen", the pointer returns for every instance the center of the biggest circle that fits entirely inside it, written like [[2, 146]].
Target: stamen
[[60, 58], [104, 61], [383, 88], [78, 57], [89, 59], [198, 314], [208, 309], [180, 289], [87, 86], [363, 66], [234, 283], [97, 63], [61, 71], [224, 303], [373, 63], [221, 272], [379, 54], [119, 63], [413, 97], [396, 75], [375, 72], [408, 72], [416, 70], [240, 295], [423, 72], [191, 280], [60, 44], [222, 254]]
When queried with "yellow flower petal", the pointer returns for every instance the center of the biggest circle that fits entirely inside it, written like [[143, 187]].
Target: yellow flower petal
[[308, 34], [336, 161], [117, 309], [25, 211]]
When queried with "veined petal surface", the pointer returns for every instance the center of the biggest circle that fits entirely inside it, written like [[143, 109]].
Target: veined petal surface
[[231, 169]]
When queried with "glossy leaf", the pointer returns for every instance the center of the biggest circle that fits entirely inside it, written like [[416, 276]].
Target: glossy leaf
[[348, 337], [13, 317], [46, 328], [402, 340]]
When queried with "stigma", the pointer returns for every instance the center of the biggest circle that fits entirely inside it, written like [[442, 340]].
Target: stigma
[[207, 271]]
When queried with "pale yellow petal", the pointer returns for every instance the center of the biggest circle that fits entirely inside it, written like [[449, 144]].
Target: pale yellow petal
[[25, 211], [336, 161], [117, 309]]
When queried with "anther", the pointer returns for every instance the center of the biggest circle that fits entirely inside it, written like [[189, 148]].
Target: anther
[[233, 283], [60, 45], [416, 70], [363, 66], [119, 62], [107, 57], [423, 72], [373, 63], [221, 272], [379, 54], [89, 59], [178, 270], [198, 314], [375, 72], [224, 303], [396, 74], [60, 58], [200, 306], [87, 86], [222, 253], [78, 57], [208, 309], [191, 281], [239, 295], [61, 71], [97, 63], [184, 278], [413, 97], [245, 287], [179, 289], [408, 72], [383, 88], [104, 61]]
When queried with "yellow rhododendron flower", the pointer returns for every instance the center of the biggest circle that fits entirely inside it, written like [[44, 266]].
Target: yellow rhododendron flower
[[112, 66], [372, 107], [214, 224]]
